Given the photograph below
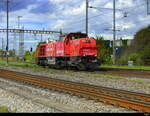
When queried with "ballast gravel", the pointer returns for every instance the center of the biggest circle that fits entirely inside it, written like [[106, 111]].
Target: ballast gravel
[[22, 98], [17, 104], [126, 83]]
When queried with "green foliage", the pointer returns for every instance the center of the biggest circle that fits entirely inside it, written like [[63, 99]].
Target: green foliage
[[99, 40], [122, 61], [139, 51], [104, 51], [12, 53], [30, 56], [4, 109], [124, 42], [145, 56], [126, 67], [133, 57], [33, 56], [27, 56], [105, 54], [1, 52]]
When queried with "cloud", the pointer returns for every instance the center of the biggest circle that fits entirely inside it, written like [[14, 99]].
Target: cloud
[[43, 6], [16, 5]]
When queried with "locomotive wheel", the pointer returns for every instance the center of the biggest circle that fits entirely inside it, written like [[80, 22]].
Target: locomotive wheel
[[58, 65], [81, 67]]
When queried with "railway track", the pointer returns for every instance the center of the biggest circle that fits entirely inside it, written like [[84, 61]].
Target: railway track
[[139, 73], [135, 101]]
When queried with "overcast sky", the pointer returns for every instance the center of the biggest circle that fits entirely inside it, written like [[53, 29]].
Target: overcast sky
[[69, 15]]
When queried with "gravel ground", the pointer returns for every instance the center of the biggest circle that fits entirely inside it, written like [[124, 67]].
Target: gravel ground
[[125, 83]]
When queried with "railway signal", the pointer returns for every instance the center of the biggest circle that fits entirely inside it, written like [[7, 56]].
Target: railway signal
[[31, 49]]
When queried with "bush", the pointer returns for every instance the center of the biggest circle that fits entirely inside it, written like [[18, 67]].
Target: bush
[[27, 56], [133, 57], [105, 55], [145, 56], [121, 61], [139, 50]]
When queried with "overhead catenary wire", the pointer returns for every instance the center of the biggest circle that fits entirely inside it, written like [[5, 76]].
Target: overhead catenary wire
[[89, 18]]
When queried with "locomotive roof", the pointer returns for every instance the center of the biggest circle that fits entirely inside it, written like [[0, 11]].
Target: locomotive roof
[[74, 33]]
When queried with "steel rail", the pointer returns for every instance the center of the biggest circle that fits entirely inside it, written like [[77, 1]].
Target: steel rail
[[112, 96]]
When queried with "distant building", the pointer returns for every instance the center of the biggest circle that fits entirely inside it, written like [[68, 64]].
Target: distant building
[[120, 45], [123, 43], [129, 42]]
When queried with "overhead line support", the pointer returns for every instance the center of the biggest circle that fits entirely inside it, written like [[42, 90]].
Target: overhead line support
[[87, 5], [7, 48]]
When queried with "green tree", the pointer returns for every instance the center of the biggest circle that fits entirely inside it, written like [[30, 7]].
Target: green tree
[[139, 50], [12, 53], [145, 56], [1, 52], [33, 56], [104, 51], [27, 56]]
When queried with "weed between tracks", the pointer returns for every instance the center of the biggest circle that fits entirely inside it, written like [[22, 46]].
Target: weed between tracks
[[106, 76], [4, 109], [148, 86], [126, 67], [141, 81]]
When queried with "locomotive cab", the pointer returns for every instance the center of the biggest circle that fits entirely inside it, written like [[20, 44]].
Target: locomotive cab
[[79, 44], [71, 36], [82, 50]]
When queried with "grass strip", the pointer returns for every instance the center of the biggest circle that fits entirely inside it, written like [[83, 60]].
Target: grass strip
[[126, 67]]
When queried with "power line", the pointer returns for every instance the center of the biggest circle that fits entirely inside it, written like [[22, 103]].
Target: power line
[[74, 23], [80, 22]]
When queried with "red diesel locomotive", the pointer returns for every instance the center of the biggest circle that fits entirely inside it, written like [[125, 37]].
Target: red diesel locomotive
[[72, 50]]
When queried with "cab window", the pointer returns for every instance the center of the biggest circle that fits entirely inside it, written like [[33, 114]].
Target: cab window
[[78, 36]]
